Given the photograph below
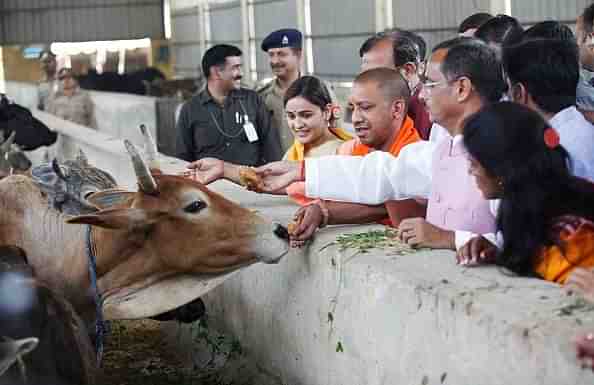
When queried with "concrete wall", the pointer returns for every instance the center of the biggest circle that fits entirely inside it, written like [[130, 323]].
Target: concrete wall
[[23, 93], [335, 317]]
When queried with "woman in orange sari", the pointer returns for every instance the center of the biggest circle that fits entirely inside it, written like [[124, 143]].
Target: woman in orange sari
[[545, 214]]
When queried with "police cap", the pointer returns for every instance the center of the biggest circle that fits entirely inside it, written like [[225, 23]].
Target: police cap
[[282, 38]]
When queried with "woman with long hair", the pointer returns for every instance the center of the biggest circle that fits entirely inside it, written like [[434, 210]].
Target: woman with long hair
[[545, 215]]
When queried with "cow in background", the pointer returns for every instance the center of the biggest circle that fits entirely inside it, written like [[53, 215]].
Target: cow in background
[[39, 330], [183, 89], [132, 83], [30, 132]]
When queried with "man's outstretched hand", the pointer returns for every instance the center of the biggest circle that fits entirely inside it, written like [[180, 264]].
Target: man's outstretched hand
[[308, 219], [206, 170], [278, 175]]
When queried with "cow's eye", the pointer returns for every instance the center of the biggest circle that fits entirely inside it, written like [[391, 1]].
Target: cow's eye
[[194, 207]]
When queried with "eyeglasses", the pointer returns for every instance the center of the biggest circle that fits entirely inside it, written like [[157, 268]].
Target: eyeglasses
[[428, 86]]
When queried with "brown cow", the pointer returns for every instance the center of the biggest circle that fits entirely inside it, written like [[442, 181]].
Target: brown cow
[[156, 248]]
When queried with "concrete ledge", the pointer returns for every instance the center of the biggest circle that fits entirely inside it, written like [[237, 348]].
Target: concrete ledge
[[414, 319], [333, 317]]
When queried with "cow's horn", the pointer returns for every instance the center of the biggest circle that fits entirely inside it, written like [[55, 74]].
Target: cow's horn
[[59, 170], [81, 158], [5, 147], [146, 182], [150, 148]]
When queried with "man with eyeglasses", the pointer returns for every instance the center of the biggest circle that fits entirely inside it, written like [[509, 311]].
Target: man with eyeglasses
[[463, 75]]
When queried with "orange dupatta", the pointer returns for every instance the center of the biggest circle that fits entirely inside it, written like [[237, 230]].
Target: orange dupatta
[[407, 134], [407, 208], [297, 151], [556, 265]]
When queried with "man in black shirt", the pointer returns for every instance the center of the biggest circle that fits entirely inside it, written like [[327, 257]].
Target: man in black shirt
[[226, 121]]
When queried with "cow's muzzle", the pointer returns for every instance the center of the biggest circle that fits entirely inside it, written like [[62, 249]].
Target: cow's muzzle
[[281, 231]]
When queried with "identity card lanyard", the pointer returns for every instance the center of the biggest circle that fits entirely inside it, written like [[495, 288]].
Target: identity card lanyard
[[248, 127]]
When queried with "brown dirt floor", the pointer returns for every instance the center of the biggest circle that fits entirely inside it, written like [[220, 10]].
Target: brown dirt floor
[[140, 353]]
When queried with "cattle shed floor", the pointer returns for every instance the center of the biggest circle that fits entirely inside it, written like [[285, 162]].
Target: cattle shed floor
[[142, 353]]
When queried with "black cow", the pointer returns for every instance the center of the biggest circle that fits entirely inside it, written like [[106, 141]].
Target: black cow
[[30, 132], [132, 83]]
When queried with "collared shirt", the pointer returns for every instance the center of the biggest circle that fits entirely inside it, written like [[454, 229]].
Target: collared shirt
[[77, 108], [576, 135], [207, 129], [585, 91], [273, 97]]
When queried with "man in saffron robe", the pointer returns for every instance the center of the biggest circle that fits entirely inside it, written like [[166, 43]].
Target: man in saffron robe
[[379, 101]]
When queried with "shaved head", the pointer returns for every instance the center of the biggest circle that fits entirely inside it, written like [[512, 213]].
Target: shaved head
[[389, 81], [379, 100]]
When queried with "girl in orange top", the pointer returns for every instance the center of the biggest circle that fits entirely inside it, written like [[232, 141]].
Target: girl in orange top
[[545, 214]]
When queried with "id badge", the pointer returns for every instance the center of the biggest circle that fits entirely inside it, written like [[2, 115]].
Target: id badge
[[250, 131]]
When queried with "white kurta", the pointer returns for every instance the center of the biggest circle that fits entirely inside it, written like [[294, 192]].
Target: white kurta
[[372, 179], [379, 177]]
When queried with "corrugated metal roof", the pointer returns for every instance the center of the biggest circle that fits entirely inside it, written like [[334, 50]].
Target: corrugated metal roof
[[339, 27], [45, 21], [539, 10]]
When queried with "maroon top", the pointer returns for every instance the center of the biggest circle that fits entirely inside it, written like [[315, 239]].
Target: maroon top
[[419, 114]]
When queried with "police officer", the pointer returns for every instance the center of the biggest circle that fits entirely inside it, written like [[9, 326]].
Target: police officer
[[284, 48], [224, 120], [48, 84]]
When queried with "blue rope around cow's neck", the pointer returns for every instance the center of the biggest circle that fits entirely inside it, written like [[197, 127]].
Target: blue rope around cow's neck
[[100, 329]]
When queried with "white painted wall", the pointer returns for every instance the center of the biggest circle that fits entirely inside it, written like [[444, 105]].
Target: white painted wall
[[413, 319]]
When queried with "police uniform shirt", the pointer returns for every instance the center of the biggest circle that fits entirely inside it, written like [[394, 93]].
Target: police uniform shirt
[[207, 129], [77, 108]]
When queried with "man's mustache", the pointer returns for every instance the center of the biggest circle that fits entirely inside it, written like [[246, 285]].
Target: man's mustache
[[275, 66], [238, 78]]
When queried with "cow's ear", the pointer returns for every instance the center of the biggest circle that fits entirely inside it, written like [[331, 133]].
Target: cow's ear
[[112, 198], [119, 219]]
